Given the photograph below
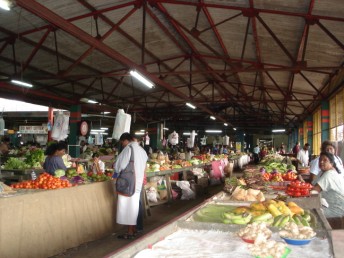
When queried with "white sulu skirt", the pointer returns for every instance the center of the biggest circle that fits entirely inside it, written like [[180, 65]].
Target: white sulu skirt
[[127, 209]]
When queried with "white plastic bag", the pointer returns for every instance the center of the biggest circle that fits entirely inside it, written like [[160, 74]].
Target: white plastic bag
[[60, 127], [187, 193], [122, 124], [173, 138]]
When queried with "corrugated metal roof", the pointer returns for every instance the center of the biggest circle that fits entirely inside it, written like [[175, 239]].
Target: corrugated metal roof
[[236, 60]]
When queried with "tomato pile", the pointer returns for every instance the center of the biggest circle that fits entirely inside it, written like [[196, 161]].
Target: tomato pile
[[44, 181], [298, 189], [289, 176]]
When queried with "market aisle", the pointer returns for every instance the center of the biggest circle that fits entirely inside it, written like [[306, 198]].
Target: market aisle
[[161, 214]]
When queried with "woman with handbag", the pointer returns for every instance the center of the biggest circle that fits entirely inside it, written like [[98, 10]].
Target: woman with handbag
[[128, 203]]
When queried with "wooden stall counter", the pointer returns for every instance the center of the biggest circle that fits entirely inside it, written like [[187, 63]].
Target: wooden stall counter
[[42, 223]]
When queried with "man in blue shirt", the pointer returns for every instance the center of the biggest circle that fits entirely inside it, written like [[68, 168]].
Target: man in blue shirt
[[256, 151]]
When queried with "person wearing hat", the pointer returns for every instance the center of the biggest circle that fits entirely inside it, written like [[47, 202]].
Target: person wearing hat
[[303, 156], [128, 207]]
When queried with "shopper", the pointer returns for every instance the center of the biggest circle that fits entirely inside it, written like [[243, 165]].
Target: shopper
[[263, 152], [303, 156], [296, 148], [330, 184], [98, 166], [256, 151], [128, 207], [4, 146], [330, 147], [54, 160]]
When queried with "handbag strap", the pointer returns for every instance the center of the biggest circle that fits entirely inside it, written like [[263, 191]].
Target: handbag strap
[[131, 154]]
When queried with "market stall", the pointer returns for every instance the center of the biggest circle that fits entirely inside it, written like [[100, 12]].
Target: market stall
[[40, 223], [185, 235]]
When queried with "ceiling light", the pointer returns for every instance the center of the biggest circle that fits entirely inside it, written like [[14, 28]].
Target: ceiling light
[[4, 5], [165, 128], [106, 112], [97, 130], [225, 124], [234, 128], [104, 128], [21, 83], [92, 101], [213, 131], [187, 133], [98, 133], [142, 130], [139, 133], [278, 130], [212, 117], [142, 79], [190, 105]]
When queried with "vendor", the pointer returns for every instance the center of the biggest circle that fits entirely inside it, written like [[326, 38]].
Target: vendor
[[329, 184], [303, 155], [330, 147], [4, 146], [54, 160], [98, 165]]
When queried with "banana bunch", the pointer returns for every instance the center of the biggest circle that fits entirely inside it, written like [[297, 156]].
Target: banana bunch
[[266, 217], [233, 218], [281, 220], [295, 209], [303, 220]]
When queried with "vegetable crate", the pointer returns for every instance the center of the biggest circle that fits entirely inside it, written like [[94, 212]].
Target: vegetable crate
[[203, 181]]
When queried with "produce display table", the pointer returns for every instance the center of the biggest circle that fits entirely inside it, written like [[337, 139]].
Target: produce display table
[[185, 222], [18, 175], [42, 223]]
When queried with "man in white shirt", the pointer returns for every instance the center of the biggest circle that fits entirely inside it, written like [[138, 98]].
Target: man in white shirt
[[303, 155]]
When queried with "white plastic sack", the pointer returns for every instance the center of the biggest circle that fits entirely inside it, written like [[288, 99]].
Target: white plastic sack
[[60, 127], [225, 140], [122, 124], [2, 126], [187, 193], [99, 139], [173, 138]]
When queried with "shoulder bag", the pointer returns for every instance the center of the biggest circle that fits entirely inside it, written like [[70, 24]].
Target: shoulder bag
[[125, 183]]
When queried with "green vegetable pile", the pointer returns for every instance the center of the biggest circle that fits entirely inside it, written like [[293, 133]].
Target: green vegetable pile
[[34, 158], [212, 213], [15, 163]]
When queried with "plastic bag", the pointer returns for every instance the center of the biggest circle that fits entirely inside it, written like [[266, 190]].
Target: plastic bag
[[187, 193], [122, 124]]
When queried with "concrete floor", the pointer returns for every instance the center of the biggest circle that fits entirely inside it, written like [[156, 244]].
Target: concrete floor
[[160, 215]]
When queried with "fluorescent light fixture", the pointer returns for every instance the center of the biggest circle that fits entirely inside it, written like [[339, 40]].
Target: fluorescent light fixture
[[165, 128], [212, 117], [190, 105], [213, 131], [187, 133], [92, 101], [97, 130], [4, 5], [142, 79], [99, 133], [234, 128], [278, 130], [139, 133], [225, 124], [21, 83], [106, 112], [104, 128], [142, 130]]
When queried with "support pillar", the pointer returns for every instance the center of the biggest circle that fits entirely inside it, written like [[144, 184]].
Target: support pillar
[[73, 143], [325, 121], [50, 122], [310, 133]]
